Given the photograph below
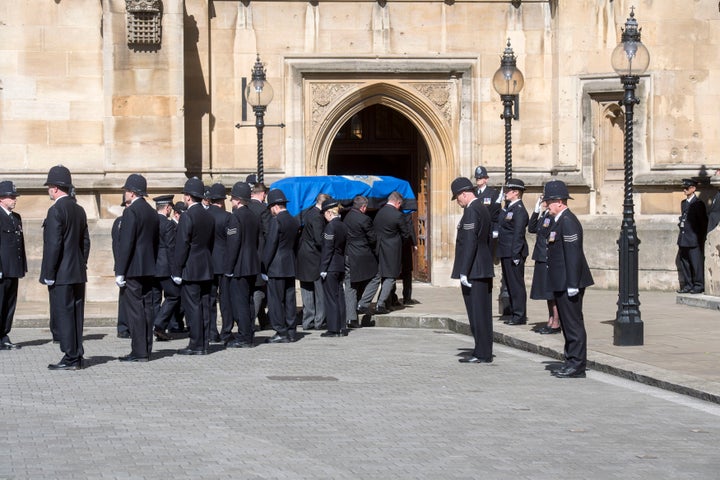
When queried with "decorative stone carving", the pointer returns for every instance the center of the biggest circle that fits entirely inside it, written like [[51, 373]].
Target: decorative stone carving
[[144, 27], [439, 95], [323, 94]]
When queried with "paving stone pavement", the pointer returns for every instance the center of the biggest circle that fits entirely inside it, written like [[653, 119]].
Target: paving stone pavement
[[382, 403]]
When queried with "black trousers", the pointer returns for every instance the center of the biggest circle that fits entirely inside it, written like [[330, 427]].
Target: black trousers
[[196, 303], [67, 314], [239, 292], [218, 296], [123, 326], [334, 301], [573, 328], [8, 302], [282, 308], [514, 276], [170, 309], [691, 261], [140, 314], [478, 304]]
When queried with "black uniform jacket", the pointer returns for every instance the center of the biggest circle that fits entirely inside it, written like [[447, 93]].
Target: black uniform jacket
[[567, 266], [193, 245], [512, 223], [390, 228], [693, 223], [166, 247], [473, 253], [489, 197], [310, 245], [360, 247], [13, 262], [221, 216], [278, 259], [243, 232], [540, 224], [333, 247], [66, 243], [139, 238]]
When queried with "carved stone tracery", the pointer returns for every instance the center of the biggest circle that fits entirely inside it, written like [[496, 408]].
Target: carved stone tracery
[[439, 94], [323, 94]]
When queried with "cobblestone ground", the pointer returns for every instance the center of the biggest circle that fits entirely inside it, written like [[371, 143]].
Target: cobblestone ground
[[379, 404]]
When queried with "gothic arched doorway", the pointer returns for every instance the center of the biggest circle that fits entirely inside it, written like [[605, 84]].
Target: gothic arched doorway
[[379, 140]]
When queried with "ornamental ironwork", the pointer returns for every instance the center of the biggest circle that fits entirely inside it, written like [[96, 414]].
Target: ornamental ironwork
[[144, 26]]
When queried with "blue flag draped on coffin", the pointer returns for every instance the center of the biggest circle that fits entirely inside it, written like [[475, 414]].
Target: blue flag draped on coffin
[[302, 191]]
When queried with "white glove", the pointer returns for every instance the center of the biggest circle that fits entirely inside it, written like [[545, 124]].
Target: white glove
[[177, 280], [323, 275], [573, 291], [229, 275], [516, 262], [464, 281], [264, 276], [537, 205], [120, 281], [495, 234], [500, 197], [49, 283], [0, 275]]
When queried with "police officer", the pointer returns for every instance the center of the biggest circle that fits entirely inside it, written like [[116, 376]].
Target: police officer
[[512, 249], [361, 266], [568, 276], [193, 267], [278, 266], [123, 325], [691, 240], [13, 262], [308, 264], [332, 268], [489, 196], [242, 266], [167, 293], [218, 296], [473, 266], [135, 268], [257, 205], [66, 248]]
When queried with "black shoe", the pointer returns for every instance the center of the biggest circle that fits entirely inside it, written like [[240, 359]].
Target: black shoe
[[381, 310], [334, 334], [123, 335], [9, 346], [354, 324], [133, 358], [66, 366], [367, 322], [474, 360], [697, 290], [517, 321], [548, 330], [364, 310], [571, 372], [179, 330], [410, 301], [684, 290], [190, 351], [216, 339], [277, 338], [240, 344], [161, 335]]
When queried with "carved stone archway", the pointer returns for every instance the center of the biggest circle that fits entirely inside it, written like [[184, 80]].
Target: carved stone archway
[[433, 96]]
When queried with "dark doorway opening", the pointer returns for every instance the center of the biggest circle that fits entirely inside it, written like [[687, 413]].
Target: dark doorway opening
[[381, 141]]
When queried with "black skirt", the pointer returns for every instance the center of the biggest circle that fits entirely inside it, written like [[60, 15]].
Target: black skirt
[[539, 289]]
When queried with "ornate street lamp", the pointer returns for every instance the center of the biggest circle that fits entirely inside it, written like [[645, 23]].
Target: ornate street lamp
[[508, 81], [259, 94], [630, 59]]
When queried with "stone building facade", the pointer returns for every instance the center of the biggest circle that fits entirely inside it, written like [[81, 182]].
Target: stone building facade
[[402, 87]]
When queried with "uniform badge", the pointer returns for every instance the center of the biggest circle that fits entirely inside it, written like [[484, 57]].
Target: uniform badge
[[551, 237], [509, 216], [486, 201], [546, 222]]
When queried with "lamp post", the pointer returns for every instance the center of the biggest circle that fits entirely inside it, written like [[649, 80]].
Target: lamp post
[[508, 81], [630, 59], [259, 94]]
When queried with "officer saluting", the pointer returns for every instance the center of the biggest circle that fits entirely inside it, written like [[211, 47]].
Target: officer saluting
[[13, 263], [474, 267], [691, 240], [568, 275]]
